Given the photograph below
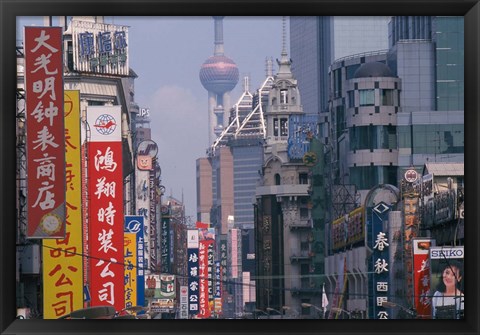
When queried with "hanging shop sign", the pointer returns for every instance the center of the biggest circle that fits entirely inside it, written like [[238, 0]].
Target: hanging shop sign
[[45, 122], [62, 258], [106, 226]]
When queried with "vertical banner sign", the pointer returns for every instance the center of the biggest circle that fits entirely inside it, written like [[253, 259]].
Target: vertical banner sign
[[421, 277], [411, 231], [143, 210], [62, 258], [381, 256], [106, 206], [447, 283], [218, 288], [204, 310], [130, 259], [153, 222], [193, 280], [410, 194], [211, 273], [165, 240], [223, 265], [183, 302], [234, 253], [134, 225], [46, 132]]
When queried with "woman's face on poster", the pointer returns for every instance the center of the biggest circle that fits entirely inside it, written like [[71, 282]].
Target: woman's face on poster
[[450, 276]]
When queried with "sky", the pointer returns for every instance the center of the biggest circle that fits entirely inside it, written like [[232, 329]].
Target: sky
[[166, 53]]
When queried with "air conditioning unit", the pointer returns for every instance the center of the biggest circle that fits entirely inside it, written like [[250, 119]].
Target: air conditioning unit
[[461, 213]]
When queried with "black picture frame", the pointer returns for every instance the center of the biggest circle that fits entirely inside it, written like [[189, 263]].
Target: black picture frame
[[10, 9]]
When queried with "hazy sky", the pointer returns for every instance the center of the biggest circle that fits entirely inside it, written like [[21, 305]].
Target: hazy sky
[[166, 53]]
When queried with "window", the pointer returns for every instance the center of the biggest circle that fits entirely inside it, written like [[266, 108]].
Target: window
[[387, 97], [367, 97], [303, 213], [303, 178], [283, 96], [283, 127], [277, 179], [275, 127], [351, 69], [351, 99], [337, 83]]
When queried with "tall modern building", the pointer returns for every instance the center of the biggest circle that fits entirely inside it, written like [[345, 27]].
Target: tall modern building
[[317, 41], [391, 111], [226, 182], [219, 76]]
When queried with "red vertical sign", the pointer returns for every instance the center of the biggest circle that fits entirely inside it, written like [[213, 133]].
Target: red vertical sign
[[204, 308], [106, 207], [421, 277], [46, 132]]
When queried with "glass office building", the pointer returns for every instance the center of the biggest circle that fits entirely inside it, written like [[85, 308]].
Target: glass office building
[[317, 41]]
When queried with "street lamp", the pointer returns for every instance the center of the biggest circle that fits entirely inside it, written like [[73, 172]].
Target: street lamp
[[259, 311], [269, 309], [307, 305], [340, 310], [409, 311]]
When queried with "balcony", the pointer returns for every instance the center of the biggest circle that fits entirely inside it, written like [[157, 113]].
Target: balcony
[[306, 288], [301, 224], [303, 256]]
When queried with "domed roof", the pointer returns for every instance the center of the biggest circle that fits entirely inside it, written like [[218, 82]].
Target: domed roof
[[373, 69], [219, 74]]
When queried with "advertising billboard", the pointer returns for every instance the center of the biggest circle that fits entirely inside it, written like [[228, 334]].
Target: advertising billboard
[[447, 283], [62, 257], [99, 48], [45, 122]]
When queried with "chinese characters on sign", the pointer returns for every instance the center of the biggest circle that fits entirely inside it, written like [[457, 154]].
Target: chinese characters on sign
[[62, 257], [106, 226], [421, 275], [381, 266], [99, 47], [130, 276], [193, 271], [134, 224], [46, 132]]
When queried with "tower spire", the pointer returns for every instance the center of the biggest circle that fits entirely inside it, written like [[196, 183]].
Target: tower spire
[[284, 36], [218, 31], [285, 62]]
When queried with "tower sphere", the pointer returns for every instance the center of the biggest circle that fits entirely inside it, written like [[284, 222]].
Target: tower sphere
[[219, 74]]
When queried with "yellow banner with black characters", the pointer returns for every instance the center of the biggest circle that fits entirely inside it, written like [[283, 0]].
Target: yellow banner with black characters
[[62, 257], [130, 259]]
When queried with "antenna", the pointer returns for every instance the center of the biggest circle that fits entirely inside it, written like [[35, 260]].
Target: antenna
[[269, 66], [284, 35], [246, 84]]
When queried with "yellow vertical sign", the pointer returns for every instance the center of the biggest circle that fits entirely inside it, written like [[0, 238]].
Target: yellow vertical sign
[[62, 258], [130, 259]]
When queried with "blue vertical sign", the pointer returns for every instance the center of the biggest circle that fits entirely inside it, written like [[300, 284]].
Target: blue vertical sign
[[380, 259], [135, 224]]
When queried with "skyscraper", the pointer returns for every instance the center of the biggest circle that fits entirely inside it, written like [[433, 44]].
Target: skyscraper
[[219, 76], [317, 41]]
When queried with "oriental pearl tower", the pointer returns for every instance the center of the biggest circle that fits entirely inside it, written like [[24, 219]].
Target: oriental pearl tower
[[219, 76]]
